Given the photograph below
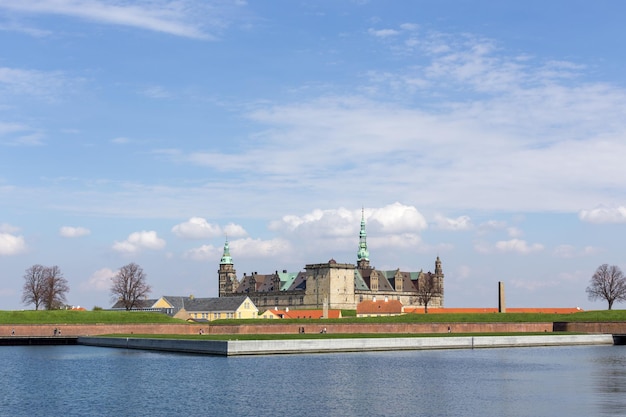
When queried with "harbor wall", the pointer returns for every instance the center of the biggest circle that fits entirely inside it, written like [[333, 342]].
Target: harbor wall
[[310, 327], [293, 346], [273, 328]]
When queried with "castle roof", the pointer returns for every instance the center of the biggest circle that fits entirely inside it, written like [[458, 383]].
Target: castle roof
[[379, 307], [139, 304]]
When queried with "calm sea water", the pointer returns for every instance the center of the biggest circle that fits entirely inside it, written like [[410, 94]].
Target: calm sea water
[[91, 381]]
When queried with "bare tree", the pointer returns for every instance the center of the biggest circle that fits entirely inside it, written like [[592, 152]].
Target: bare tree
[[129, 285], [55, 288], [33, 289], [45, 287], [607, 283], [428, 288]]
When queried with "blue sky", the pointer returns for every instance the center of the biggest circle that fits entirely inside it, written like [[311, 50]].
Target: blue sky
[[489, 133]]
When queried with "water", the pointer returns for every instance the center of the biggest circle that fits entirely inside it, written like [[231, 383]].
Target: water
[[90, 381]]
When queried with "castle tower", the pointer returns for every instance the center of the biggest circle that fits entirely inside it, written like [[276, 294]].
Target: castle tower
[[227, 275], [438, 270], [363, 255], [330, 284], [439, 277]]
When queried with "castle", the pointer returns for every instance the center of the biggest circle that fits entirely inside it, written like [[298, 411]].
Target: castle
[[333, 285]]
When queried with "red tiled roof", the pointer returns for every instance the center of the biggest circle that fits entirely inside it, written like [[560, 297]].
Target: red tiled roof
[[547, 310], [379, 307]]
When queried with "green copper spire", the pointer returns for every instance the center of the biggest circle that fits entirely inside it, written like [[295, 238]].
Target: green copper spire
[[363, 253], [226, 259]]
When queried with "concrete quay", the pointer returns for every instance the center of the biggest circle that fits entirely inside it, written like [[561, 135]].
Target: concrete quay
[[294, 346]]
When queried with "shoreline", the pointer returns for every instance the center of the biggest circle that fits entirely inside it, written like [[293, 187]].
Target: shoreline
[[300, 346]]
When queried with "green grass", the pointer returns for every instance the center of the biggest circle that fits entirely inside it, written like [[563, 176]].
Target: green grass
[[108, 317], [583, 316], [297, 336], [82, 317]]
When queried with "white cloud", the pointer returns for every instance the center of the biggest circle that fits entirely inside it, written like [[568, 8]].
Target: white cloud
[[395, 218], [15, 134], [7, 228], [247, 248], [196, 228], [590, 250], [409, 26], [491, 225], [120, 140], [34, 32], [461, 223], [203, 253], [70, 231], [514, 232], [11, 244], [258, 248], [320, 223], [512, 245], [178, 18], [533, 285], [570, 251], [200, 228], [604, 215], [157, 92], [383, 33], [46, 85], [565, 251], [398, 240], [99, 280], [234, 230], [140, 240], [518, 246]]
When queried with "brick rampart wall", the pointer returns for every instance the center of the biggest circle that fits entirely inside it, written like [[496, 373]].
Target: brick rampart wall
[[600, 327], [275, 328], [383, 328], [98, 329]]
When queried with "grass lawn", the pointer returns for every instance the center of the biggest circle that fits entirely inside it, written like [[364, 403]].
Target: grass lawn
[[583, 316], [108, 317], [82, 317]]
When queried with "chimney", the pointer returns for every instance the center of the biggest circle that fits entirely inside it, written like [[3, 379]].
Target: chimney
[[501, 303]]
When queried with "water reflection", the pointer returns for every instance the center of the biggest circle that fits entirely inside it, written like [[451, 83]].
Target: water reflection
[[80, 381], [609, 381]]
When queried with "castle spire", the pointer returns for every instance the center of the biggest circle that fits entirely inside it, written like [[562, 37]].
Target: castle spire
[[438, 269], [228, 281], [363, 255], [226, 258]]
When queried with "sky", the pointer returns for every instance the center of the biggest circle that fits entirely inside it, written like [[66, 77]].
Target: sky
[[489, 133]]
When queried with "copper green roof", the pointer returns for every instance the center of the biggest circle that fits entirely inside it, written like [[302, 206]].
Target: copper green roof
[[363, 253], [226, 258]]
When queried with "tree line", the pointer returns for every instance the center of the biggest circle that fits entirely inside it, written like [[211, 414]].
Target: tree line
[[47, 288]]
